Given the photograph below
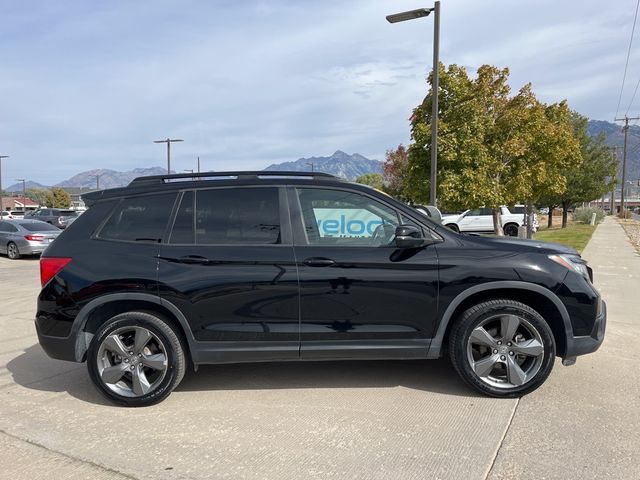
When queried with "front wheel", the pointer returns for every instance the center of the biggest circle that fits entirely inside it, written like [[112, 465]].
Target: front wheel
[[502, 348], [136, 359]]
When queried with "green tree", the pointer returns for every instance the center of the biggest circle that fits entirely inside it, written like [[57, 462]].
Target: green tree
[[591, 179], [57, 198], [494, 148], [375, 180]]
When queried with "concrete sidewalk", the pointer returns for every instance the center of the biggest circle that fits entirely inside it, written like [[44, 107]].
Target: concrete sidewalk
[[583, 423]]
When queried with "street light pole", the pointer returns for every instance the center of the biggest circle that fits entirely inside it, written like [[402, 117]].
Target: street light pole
[[1, 157], [168, 141], [311, 165], [24, 193], [411, 15]]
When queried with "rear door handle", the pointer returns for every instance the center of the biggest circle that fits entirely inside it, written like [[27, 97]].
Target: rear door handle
[[193, 259], [318, 262]]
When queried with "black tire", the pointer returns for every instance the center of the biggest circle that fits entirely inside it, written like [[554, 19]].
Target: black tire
[[453, 227], [12, 251], [162, 335], [511, 230], [486, 314]]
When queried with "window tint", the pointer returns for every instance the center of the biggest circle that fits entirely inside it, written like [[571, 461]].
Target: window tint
[[334, 217], [39, 227], [237, 216], [183, 228], [139, 219]]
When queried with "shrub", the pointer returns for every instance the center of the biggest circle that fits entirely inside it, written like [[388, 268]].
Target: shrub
[[583, 215]]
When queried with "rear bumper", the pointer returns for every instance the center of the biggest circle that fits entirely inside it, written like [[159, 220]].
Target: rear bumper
[[582, 345], [60, 348]]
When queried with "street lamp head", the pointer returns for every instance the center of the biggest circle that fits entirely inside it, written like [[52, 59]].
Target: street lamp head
[[409, 15]]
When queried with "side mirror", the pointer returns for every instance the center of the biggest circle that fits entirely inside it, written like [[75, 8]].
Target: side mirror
[[408, 236]]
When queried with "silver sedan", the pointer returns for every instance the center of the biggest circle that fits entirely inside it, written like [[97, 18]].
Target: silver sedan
[[25, 237]]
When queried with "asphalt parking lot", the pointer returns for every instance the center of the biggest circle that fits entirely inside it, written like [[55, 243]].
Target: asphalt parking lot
[[368, 420]]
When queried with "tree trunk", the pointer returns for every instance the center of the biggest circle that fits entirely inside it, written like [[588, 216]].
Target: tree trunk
[[497, 222], [550, 219], [565, 207]]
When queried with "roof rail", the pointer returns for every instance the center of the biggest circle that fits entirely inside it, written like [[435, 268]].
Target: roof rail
[[241, 175]]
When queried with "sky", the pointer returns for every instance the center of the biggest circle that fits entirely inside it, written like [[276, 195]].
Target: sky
[[90, 84]]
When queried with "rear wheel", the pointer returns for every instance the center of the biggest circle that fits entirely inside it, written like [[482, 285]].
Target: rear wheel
[[502, 348], [136, 359], [12, 251]]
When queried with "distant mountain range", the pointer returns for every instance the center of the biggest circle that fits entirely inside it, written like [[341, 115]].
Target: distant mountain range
[[340, 164]]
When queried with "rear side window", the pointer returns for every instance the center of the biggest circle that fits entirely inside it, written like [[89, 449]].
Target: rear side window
[[228, 217], [68, 213], [139, 219]]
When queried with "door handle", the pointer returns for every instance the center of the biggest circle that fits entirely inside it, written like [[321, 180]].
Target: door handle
[[318, 262], [193, 259]]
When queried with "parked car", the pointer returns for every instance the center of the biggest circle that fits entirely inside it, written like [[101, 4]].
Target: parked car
[[17, 214], [480, 220], [6, 215], [184, 270], [25, 237], [58, 217]]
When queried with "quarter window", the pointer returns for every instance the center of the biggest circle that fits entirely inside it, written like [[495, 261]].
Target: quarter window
[[139, 219]]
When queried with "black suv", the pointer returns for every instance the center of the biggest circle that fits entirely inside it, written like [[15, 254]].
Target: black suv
[[194, 269]]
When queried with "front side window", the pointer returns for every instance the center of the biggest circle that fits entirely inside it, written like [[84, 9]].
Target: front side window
[[139, 219], [336, 217], [243, 216]]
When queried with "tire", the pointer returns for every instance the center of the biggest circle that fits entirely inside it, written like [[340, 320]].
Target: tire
[[502, 348], [142, 356], [510, 230], [453, 226], [12, 251]]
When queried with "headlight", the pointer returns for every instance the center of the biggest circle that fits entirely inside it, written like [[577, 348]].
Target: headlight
[[572, 262]]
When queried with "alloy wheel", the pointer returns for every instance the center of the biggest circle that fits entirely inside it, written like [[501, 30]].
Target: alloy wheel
[[132, 361], [505, 351], [12, 251]]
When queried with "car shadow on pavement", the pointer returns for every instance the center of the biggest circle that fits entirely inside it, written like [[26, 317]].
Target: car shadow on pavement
[[32, 369], [427, 375]]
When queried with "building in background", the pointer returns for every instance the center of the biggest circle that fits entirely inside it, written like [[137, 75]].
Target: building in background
[[18, 204]]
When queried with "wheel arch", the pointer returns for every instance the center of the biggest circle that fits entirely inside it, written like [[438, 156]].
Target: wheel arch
[[541, 299], [101, 309]]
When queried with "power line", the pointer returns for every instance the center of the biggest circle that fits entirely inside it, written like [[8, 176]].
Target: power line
[[626, 64]]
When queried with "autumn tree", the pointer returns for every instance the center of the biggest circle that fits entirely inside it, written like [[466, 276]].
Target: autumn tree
[[494, 148], [375, 180], [396, 169]]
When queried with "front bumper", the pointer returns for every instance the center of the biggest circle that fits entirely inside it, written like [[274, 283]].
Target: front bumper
[[581, 345]]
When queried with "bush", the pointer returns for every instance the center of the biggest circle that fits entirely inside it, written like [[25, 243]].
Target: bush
[[583, 215]]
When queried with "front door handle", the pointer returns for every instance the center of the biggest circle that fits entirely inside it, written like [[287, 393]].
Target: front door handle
[[318, 262]]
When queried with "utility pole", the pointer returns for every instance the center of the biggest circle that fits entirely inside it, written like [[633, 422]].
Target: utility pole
[[168, 141], [1, 157], [198, 164], [625, 129], [612, 200]]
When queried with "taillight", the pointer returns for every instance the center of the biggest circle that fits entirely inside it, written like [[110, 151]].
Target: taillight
[[34, 238], [50, 267]]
